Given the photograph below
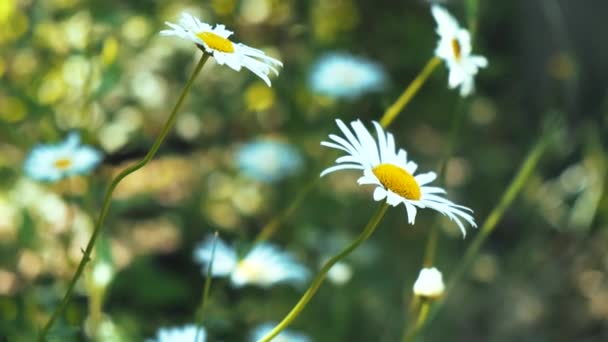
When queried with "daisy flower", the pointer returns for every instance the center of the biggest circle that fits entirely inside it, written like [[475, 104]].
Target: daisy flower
[[188, 332], [214, 41], [393, 175], [268, 161], [56, 161], [454, 48], [265, 265], [341, 75], [285, 336], [429, 284]]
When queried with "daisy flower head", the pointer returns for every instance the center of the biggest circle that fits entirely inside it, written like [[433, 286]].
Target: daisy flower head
[[268, 161], [53, 162], [265, 264], [429, 284], [188, 332], [388, 169], [454, 48], [214, 41], [340, 75], [285, 336]]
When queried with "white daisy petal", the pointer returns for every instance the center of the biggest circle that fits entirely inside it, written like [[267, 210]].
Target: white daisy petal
[[188, 332], [426, 178], [285, 336], [411, 213], [341, 167], [266, 265], [379, 194], [224, 257]]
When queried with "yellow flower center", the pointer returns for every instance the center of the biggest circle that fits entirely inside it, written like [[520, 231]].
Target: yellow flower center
[[250, 270], [398, 181], [216, 42], [456, 48], [63, 163]]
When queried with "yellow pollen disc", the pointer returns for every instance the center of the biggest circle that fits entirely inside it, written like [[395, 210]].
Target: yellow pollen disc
[[398, 181], [216, 42], [249, 269], [63, 163], [456, 48]]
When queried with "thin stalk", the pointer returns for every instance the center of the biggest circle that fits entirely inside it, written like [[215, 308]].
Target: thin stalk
[[271, 227], [488, 226], [409, 92], [108, 196], [431, 243], [316, 283], [496, 214], [206, 288], [422, 316]]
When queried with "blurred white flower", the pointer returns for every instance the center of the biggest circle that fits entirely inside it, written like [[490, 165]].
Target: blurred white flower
[[454, 48], [429, 284], [285, 336], [54, 162], [265, 265], [268, 161], [393, 175], [102, 274], [214, 41], [340, 273], [188, 333], [341, 75]]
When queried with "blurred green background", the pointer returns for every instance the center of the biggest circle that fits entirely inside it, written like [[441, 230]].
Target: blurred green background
[[100, 68]]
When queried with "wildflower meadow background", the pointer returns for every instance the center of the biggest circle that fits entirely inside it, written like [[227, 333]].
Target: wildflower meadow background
[[227, 223]]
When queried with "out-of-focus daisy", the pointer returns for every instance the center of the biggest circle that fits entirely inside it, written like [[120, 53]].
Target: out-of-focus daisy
[[268, 161], [340, 273], [341, 75], [265, 265], [188, 332], [429, 284], [454, 48], [56, 161], [285, 336], [214, 41], [393, 175]]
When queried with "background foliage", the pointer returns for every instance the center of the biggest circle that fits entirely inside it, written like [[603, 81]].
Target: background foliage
[[100, 68]]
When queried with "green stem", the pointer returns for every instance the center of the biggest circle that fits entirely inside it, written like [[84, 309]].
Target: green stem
[[423, 314], [206, 288], [409, 92], [108, 196], [516, 185], [316, 283], [431, 243], [269, 229], [496, 214]]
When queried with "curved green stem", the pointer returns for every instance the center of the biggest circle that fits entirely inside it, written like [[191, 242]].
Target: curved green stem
[[422, 316], [316, 283], [206, 289], [409, 92], [514, 188], [431, 243], [108, 196], [271, 227], [496, 214]]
